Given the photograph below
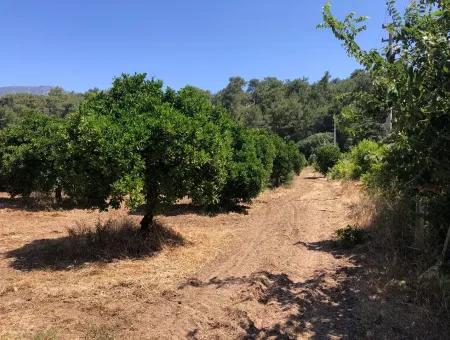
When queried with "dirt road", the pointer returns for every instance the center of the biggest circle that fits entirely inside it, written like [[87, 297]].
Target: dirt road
[[276, 277], [271, 272]]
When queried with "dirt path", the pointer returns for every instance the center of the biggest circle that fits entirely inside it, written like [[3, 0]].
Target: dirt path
[[271, 279]]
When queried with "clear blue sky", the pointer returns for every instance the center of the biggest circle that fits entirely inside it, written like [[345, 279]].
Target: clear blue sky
[[81, 44]]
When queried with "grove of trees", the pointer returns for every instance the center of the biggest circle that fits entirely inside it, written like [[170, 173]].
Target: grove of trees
[[142, 144]]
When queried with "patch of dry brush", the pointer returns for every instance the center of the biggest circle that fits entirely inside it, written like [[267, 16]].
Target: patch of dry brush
[[108, 241]]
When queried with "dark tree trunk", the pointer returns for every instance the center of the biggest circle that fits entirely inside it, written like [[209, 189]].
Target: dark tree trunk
[[58, 195], [445, 249], [147, 222]]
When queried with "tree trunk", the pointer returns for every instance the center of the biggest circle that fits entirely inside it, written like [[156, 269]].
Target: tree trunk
[[58, 195], [446, 246], [419, 230], [147, 222]]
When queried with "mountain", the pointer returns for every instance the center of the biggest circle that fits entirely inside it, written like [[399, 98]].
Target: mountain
[[37, 90]]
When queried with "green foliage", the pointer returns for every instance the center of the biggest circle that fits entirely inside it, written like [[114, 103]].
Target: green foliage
[[362, 160], [184, 156], [326, 157], [283, 167], [33, 155], [293, 109], [287, 162], [96, 160], [412, 79], [246, 176], [350, 236], [345, 168], [366, 155], [309, 145], [193, 101], [15, 107], [138, 144], [265, 151], [303, 162], [107, 136]]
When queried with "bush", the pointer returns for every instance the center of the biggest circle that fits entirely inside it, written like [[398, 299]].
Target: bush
[[350, 236], [366, 155], [327, 157], [297, 159], [246, 174], [343, 169], [33, 155], [309, 145], [312, 159], [362, 160], [302, 161], [283, 167], [265, 151]]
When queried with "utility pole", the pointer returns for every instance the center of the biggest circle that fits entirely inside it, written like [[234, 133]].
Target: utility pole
[[334, 130], [391, 58]]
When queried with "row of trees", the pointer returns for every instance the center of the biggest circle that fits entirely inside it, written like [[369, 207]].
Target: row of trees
[[142, 144], [58, 103]]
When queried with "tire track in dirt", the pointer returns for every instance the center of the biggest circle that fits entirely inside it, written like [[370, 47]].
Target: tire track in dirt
[[270, 277]]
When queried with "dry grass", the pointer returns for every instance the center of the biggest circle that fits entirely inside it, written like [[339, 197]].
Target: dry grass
[[391, 249], [107, 241], [71, 274]]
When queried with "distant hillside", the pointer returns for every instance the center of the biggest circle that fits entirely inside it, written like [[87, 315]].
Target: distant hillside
[[37, 90]]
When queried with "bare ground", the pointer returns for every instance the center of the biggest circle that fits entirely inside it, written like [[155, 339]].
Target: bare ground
[[271, 272]]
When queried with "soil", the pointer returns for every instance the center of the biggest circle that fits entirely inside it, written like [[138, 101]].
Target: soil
[[271, 270]]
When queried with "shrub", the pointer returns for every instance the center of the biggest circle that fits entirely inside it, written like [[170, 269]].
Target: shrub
[[32, 155], [302, 161], [312, 159], [365, 155], [327, 157], [309, 145], [265, 150], [350, 236], [343, 169], [362, 160], [246, 174], [298, 162], [283, 167]]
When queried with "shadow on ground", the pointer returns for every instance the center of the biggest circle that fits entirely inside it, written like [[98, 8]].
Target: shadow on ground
[[189, 208], [35, 204], [343, 304], [115, 239], [314, 177]]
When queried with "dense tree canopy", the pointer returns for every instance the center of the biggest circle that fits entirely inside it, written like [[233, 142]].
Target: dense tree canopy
[[293, 109], [57, 103], [142, 144]]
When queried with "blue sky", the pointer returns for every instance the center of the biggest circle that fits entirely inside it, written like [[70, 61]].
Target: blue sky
[[81, 44]]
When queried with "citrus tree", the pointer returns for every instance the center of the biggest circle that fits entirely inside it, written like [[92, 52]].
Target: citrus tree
[[33, 155]]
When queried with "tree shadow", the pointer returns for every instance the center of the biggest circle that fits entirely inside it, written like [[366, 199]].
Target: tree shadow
[[342, 304], [36, 204], [180, 209], [112, 240], [316, 308]]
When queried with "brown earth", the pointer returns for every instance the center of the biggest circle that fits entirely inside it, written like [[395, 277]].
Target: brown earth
[[271, 272]]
